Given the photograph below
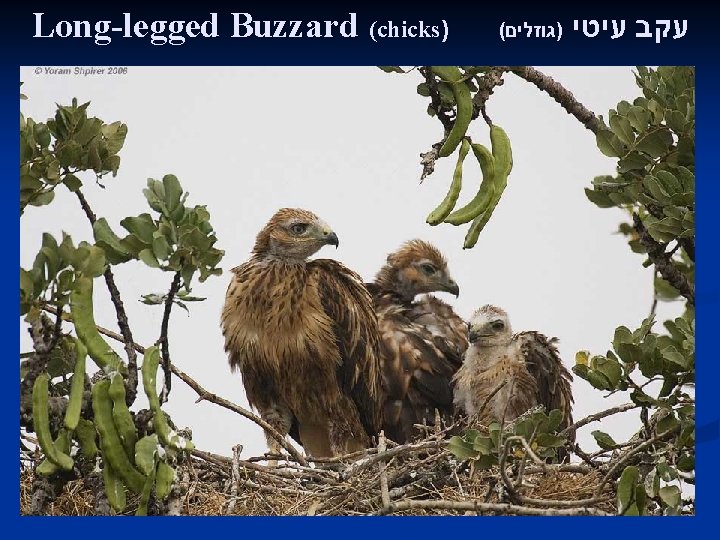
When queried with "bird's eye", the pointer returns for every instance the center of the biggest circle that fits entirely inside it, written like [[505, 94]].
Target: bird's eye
[[498, 325], [299, 228], [429, 269]]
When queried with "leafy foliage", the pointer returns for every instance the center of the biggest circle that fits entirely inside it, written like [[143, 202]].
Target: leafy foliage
[[178, 238]]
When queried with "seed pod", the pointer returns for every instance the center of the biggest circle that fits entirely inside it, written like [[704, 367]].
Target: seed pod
[[85, 435], [485, 193], [448, 203], [463, 101], [114, 488], [41, 424], [77, 387], [168, 437], [502, 155], [121, 415], [112, 447], [81, 307]]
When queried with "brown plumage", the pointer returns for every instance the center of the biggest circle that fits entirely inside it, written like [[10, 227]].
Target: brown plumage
[[528, 363], [422, 341], [304, 336]]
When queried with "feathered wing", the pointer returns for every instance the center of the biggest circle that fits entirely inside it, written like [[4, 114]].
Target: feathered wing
[[551, 376], [422, 348], [349, 305]]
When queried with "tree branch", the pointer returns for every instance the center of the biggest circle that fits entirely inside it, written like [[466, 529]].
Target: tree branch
[[559, 93], [663, 264], [164, 344], [595, 417], [500, 508], [122, 319]]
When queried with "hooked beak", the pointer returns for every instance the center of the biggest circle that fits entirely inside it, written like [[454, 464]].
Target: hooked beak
[[452, 288], [473, 335], [332, 239]]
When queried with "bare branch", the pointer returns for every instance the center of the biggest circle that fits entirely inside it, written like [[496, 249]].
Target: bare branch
[[384, 494], [122, 319], [163, 341], [478, 506], [560, 94], [595, 417]]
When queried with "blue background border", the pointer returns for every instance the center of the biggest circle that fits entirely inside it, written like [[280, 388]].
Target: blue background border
[[473, 39]]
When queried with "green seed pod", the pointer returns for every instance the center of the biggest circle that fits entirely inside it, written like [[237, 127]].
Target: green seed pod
[[463, 100], [77, 387], [168, 437], [112, 447], [448, 203], [121, 415], [145, 494], [485, 193], [41, 424], [502, 154], [85, 435], [81, 307], [114, 488]]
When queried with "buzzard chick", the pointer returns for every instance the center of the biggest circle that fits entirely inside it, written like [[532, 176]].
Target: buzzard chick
[[304, 336], [422, 341], [528, 363]]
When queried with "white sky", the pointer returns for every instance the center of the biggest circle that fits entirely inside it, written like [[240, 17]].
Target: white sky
[[344, 143]]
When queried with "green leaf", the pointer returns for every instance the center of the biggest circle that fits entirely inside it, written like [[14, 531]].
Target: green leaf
[[611, 369], [633, 161], [146, 256], [483, 445], [115, 134], [72, 182], [604, 441], [550, 441], [622, 128], [173, 191], [670, 495], [655, 143], [106, 239], [141, 226], [666, 423], [600, 198], [392, 69], [461, 449], [609, 144], [145, 453], [639, 118], [652, 483], [626, 488], [630, 353], [423, 89]]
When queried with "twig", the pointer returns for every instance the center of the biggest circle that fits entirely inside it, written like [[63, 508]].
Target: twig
[[486, 86], [663, 264], [204, 395], [235, 478], [164, 344], [595, 417], [500, 508], [392, 452], [122, 319], [385, 496]]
